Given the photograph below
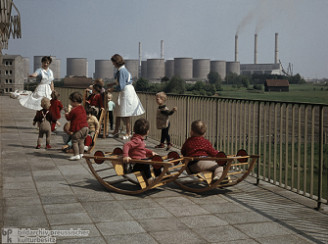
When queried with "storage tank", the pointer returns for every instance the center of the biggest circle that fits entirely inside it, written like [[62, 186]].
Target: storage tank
[[201, 68], [104, 69], [183, 68], [155, 69], [219, 66], [169, 68], [77, 67], [133, 67], [54, 66], [144, 69], [233, 67]]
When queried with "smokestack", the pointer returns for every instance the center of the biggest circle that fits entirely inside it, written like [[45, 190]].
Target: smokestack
[[236, 48], [255, 49], [140, 57], [162, 49], [276, 58]]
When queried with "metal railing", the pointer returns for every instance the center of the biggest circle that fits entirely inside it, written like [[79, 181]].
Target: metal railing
[[291, 138]]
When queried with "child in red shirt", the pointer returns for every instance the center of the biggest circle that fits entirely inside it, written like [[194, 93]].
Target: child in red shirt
[[78, 126], [55, 108], [136, 148], [197, 146]]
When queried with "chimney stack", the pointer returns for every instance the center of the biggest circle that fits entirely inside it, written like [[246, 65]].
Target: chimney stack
[[236, 48], [162, 49], [276, 58], [255, 49], [140, 57]]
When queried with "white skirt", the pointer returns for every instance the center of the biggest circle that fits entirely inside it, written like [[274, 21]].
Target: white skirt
[[33, 101], [128, 103]]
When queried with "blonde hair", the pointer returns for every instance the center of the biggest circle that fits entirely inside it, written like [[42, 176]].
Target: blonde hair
[[198, 127], [162, 95], [45, 103]]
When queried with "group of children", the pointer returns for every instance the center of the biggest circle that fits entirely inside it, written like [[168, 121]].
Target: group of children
[[84, 123]]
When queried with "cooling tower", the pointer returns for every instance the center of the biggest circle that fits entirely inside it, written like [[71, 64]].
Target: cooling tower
[[155, 69], [201, 68], [133, 67], [144, 69], [233, 67], [219, 67], [77, 67], [169, 68], [104, 69], [183, 68]]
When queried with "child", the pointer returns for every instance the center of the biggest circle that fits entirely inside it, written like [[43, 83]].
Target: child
[[93, 127], [110, 108], [44, 119], [96, 100], [197, 146], [55, 108], [162, 119], [78, 125], [136, 148]]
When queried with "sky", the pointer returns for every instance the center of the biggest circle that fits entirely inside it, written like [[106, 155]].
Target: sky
[[97, 29]]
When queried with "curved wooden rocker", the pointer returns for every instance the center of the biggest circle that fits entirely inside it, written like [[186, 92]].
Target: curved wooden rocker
[[94, 139], [235, 169], [110, 170]]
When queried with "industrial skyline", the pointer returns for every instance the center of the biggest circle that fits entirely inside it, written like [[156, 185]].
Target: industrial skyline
[[96, 30]]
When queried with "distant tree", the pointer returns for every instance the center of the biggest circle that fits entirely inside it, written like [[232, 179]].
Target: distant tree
[[296, 79], [142, 85], [215, 79], [165, 79], [175, 85]]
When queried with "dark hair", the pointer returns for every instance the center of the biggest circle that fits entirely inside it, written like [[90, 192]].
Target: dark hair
[[91, 110], [141, 126], [76, 97], [97, 87], [55, 95], [118, 60], [46, 58], [199, 127]]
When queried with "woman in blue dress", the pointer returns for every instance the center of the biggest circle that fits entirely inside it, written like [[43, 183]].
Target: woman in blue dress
[[128, 103], [45, 87]]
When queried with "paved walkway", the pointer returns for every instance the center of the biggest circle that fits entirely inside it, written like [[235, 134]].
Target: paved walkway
[[42, 189]]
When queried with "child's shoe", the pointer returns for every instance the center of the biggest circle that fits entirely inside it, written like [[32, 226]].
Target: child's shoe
[[38, 147], [75, 157], [81, 156], [48, 146], [160, 145], [86, 148], [169, 145]]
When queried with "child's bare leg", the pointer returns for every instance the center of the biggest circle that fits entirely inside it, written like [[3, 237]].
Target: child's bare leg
[[127, 123]]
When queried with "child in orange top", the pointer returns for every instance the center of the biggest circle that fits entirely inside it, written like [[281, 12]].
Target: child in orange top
[[197, 146]]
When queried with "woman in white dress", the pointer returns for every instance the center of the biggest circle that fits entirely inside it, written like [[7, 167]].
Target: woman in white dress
[[45, 87], [128, 103]]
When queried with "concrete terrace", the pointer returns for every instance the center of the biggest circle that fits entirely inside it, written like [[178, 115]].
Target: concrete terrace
[[42, 189]]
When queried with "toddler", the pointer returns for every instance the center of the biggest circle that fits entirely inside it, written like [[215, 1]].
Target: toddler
[[55, 108], [93, 128], [136, 148], [44, 119], [110, 108], [162, 119], [78, 125], [197, 146]]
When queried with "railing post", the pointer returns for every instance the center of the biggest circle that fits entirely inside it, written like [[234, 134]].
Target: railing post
[[320, 157]]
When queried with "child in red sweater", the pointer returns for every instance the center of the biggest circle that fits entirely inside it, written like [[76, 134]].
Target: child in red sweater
[[78, 126], [197, 146], [55, 108], [136, 148]]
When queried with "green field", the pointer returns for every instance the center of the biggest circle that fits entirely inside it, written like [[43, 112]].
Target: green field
[[308, 93]]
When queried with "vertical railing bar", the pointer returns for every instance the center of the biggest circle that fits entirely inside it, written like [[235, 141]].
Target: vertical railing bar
[[280, 144], [249, 126], [245, 129], [265, 111], [258, 141], [275, 145], [312, 151], [270, 142], [286, 145], [293, 147], [299, 149], [305, 149], [226, 131], [254, 135], [321, 161]]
